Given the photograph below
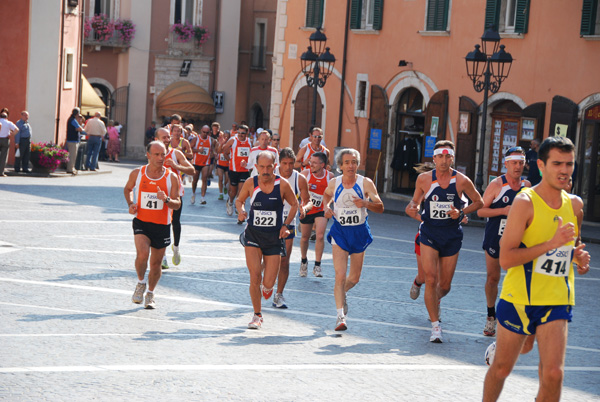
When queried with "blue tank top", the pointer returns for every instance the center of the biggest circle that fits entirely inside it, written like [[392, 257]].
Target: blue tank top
[[266, 210], [438, 202], [495, 225]]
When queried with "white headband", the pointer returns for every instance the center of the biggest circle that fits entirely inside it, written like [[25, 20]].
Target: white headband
[[443, 151], [515, 158]]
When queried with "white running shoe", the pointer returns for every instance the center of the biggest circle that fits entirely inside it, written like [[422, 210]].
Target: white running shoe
[[279, 301], [415, 290], [340, 324], [229, 208], [149, 302], [317, 271], [256, 322], [490, 353], [202, 201], [138, 294], [303, 269], [176, 255], [193, 199], [490, 327], [165, 264], [436, 334]]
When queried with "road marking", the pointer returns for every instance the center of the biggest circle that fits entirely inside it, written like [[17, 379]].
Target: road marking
[[272, 367], [130, 253]]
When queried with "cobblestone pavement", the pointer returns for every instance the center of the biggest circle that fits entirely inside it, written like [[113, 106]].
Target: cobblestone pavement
[[70, 332]]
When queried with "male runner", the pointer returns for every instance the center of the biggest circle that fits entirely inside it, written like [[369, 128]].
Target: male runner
[[540, 243], [151, 192], [263, 145], [318, 179], [178, 163], [263, 238], [299, 185], [350, 235], [238, 147], [440, 232], [203, 149], [222, 164], [497, 199], [304, 154]]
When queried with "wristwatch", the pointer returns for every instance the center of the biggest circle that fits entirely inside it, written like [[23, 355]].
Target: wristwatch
[[167, 200]]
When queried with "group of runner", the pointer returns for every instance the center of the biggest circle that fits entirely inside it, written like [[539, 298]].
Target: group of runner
[[533, 233]]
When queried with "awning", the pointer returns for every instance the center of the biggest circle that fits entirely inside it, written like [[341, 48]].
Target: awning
[[186, 99], [90, 101]]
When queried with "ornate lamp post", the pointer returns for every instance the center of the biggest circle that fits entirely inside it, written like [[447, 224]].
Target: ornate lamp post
[[317, 66], [487, 70]]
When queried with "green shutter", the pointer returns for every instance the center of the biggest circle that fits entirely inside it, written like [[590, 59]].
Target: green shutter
[[314, 13], [437, 15], [588, 17], [355, 14], [492, 14], [378, 15], [522, 16]]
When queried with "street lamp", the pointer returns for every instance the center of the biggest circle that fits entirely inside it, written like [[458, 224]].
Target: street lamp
[[317, 66], [482, 67]]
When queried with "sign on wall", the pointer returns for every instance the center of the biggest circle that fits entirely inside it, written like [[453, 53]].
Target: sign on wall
[[429, 144], [375, 139], [185, 68], [219, 99]]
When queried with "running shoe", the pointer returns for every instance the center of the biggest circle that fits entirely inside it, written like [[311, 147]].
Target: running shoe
[[340, 325], [240, 222], [220, 197], [345, 304], [164, 264], [490, 326], [149, 302], [176, 255], [203, 202], [313, 236], [317, 271], [303, 269], [229, 208], [193, 199], [138, 294], [256, 322], [266, 293], [279, 301], [225, 190], [490, 353], [415, 290], [436, 334], [208, 183]]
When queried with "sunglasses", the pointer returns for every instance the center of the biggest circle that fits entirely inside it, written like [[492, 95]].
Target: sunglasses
[[514, 149], [318, 136], [205, 132]]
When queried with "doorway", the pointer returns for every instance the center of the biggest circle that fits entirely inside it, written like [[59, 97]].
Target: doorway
[[302, 115], [589, 172]]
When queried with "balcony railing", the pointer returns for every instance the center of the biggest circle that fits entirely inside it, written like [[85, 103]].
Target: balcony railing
[[94, 39], [177, 48]]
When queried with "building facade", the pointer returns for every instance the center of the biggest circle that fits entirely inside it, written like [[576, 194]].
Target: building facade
[[400, 82]]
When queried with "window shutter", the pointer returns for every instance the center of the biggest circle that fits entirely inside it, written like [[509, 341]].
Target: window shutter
[[588, 17], [437, 15], [314, 13], [378, 15], [492, 14], [355, 14], [522, 16]]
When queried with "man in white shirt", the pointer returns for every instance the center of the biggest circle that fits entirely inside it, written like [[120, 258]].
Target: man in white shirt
[[95, 130], [7, 128]]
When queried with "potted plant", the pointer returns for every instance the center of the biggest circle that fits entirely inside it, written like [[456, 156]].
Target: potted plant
[[183, 32], [103, 27], [201, 34], [47, 157], [126, 30]]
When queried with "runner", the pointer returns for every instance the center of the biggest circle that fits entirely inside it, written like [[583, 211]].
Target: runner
[[203, 149], [263, 238], [317, 178], [497, 199], [152, 193], [304, 154], [540, 243], [299, 185], [222, 164], [350, 235], [441, 231], [263, 145], [238, 148], [177, 162]]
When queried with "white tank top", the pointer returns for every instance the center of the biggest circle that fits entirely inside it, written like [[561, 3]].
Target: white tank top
[[345, 211]]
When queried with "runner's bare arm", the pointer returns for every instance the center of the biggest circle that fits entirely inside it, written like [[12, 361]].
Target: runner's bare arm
[[187, 149], [128, 191], [375, 204], [175, 202], [288, 195], [465, 185], [412, 209], [327, 198], [491, 192], [304, 196], [299, 164], [223, 149], [185, 167], [240, 202], [580, 256]]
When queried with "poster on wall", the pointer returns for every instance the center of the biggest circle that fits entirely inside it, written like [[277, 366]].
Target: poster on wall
[[434, 126], [375, 139], [463, 123], [429, 144], [561, 130]]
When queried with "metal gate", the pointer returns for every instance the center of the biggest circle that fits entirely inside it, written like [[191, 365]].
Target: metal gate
[[118, 112]]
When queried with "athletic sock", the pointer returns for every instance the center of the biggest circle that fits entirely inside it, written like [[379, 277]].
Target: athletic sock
[[417, 284], [142, 282], [435, 324], [340, 312], [316, 263], [492, 311], [304, 260], [150, 292], [258, 314], [175, 248]]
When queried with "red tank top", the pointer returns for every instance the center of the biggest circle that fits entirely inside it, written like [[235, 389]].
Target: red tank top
[[316, 188], [240, 150], [149, 207], [202, 157]]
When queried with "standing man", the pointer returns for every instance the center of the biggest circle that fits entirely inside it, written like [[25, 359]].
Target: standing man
[[531, 158], [203, 150], [350, 235], [23, 143], [299, 185], [150, 133], [156, 196], [95, 130], [440, 231], [74, 131], [222, 164], [263, 145], [265, 230], [497, 200], [238, 146], [275, 140], [540, 243], [7, 128], [318, 179], [303, 157]]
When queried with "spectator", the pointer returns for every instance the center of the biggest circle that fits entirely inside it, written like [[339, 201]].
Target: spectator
[[23, 143], [531, 158], [150, 133], [73, 138], [7, 128], [114, 142], [95, 130]]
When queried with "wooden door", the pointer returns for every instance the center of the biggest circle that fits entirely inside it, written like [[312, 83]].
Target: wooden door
[[564, 112], [466, 139], [377, 137], [302, 116], [436, 108]]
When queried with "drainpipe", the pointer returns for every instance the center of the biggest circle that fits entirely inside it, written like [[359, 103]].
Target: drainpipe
[[82, 13], [60, 68], [216, 36], [341, 113]]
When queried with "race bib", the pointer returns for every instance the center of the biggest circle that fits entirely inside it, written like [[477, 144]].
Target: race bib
[[555, 262], [265, 218], [222, 157], [243, 152], [439, 209], [348, 216], [502, 225], [151, 201], [317, 199], [203, 151]]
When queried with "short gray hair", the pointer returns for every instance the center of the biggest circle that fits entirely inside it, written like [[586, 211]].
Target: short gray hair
[[263, 154], [347, 151]]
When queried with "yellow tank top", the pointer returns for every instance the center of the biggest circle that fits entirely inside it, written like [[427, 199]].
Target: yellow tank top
[[549, 279]]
